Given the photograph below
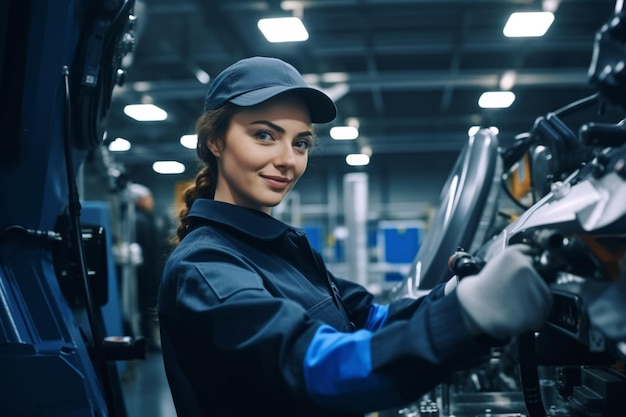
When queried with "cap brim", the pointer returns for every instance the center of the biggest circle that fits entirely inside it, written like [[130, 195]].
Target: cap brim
[[321, 107]]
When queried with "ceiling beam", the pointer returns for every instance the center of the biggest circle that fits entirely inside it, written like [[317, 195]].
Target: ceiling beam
[[416, 80]]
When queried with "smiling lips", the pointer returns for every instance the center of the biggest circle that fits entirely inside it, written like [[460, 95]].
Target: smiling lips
[[276, 182]]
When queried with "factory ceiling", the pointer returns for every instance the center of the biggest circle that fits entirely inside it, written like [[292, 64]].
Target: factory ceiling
[[410, 71]]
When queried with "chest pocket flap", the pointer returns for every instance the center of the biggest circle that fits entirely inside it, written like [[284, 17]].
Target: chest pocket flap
[[227, 280]]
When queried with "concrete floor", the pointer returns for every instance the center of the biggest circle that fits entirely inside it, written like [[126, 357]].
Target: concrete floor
[[145, 389]]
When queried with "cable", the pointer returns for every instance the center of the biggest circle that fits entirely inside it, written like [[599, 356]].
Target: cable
[[576, 105], [529, 375], [75, 241], [47, 235]]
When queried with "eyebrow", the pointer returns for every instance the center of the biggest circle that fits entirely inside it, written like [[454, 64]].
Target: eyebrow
[[278, 128]]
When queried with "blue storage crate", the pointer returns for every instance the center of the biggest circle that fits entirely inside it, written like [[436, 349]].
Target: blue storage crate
[[398, 244]]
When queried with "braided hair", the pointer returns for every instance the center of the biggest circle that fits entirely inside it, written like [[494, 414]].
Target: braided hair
[[211, 126]]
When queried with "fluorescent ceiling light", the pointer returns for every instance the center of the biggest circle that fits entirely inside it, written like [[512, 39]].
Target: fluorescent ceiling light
[[344, 132], [142, 86], [507, 81], [528, 24], [119, 145], [474, 129], [283, 29], [189, 141], [145, 112], [496, 99], [334, 77], [168, 167], [357, 159], [202, 76]]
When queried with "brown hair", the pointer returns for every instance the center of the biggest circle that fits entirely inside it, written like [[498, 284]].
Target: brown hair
[[211, 126]]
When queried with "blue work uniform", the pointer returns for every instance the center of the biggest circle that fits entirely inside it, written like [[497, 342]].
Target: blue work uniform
[[252, 323]]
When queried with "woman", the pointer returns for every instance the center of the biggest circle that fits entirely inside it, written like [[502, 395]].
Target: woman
[[252, 323]]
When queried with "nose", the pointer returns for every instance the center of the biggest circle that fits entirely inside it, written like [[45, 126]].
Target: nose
[[285, 156]]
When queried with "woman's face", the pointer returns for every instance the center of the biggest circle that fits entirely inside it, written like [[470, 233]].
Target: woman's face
[[264, 153]]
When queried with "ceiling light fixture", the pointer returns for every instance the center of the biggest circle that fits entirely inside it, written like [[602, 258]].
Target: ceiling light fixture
[[334, 77], [357, 159], [474, 129], [145, 112], [168, 167], [528, 24], [344, 132], [189, 141], [119, 145], [496, 99], [507, 81], [202, 75], [283, 29]]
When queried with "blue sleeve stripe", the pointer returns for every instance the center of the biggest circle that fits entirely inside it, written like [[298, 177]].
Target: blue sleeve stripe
[[338, 372], [376, 317]]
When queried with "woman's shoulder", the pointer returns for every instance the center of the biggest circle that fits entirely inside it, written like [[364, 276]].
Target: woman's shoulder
[[204, 238]]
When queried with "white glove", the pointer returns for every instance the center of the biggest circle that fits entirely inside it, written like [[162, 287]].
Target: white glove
[[451, 285], [508, 297]]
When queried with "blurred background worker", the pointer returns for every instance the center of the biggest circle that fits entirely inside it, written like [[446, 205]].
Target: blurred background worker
[[148, 237]]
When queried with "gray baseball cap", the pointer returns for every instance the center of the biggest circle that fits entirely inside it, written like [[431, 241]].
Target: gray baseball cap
[[251, 81]]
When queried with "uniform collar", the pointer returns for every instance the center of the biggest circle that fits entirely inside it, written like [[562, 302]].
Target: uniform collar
[[249, 221]]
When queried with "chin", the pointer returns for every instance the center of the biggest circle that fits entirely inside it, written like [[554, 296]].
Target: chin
[[273, 200], [271, 204]]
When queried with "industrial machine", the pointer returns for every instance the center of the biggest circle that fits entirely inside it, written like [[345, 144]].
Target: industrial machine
[[59, 62], [564, 194]]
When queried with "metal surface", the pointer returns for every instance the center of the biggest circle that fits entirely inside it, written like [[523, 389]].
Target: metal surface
[[574, 365], [355, 208], [464, 216]]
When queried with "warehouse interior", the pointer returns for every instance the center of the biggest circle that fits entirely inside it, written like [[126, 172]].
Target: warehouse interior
[[443, 175], [409, 74]]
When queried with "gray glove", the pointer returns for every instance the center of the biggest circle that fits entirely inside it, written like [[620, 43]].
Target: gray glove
[[508, 297]]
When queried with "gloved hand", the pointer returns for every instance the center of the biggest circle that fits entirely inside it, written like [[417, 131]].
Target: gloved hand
[[451, 285], [507, 297]]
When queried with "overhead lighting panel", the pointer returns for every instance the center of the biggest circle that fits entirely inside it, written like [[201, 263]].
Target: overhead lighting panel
[[344, 132], [145, 112], [528, 24], [283, 29], [357, 159], [202, 75], [496, 99], [189, 141], [168, 167], [119, 145], [474, 129]]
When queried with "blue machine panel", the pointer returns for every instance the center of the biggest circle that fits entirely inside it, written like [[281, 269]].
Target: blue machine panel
[[46, 350]]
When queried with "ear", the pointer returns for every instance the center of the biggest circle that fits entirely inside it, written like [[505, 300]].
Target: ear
[[214, 148]]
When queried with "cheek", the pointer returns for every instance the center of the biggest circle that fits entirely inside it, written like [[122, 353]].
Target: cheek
[[235, 158], [301, 166], [236, 167]]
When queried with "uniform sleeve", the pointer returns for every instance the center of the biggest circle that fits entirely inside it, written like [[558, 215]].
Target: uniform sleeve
[[366, 314], [395, 364]]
